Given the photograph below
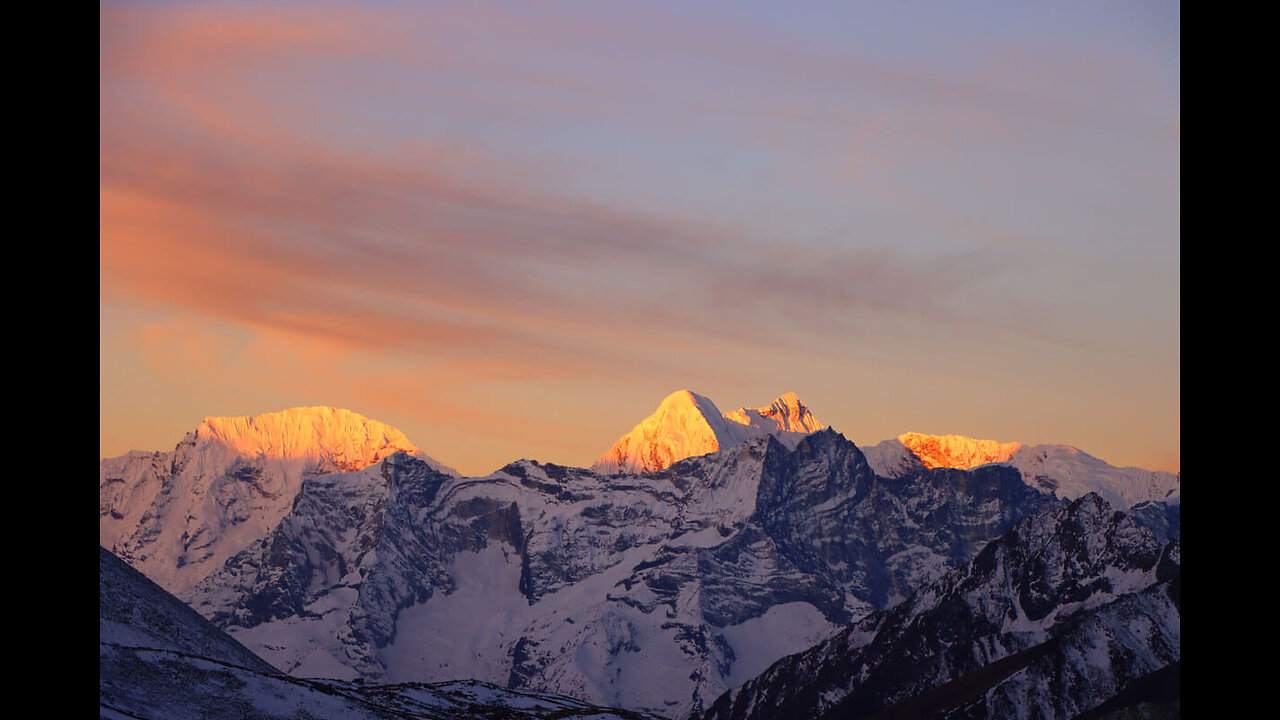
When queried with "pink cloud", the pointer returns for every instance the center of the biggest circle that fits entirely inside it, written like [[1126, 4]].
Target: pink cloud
[[214, 200]]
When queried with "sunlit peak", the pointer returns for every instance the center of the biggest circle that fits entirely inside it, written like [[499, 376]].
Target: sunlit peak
[[956, 451]]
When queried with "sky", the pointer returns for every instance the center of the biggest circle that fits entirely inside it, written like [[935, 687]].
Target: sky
[[511, 229]]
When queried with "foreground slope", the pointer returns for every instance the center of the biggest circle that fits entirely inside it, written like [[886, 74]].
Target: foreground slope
[[654, 592], [158, 659], [178, 515], [135, 612], [1073, 606]]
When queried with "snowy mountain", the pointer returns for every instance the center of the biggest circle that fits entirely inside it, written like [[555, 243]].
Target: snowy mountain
[[654, 592], [687, 425], [159, 659], [178, 515], [1065, 471], [956, 451], [787, 414], [1074, 607], [333, 547]]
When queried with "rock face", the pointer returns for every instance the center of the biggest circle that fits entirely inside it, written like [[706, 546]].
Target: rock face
[[1069, 608], [687, 425], [178, 515], [1067, 472], [655, 592]]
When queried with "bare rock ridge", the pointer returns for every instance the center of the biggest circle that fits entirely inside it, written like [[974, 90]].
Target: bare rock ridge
[[687, 424]]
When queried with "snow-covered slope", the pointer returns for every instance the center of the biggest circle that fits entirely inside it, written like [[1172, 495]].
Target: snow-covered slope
[[159, 659], [654, 592], [178, 515], [1065, 471], [1071, 473], [1070, 607], [687, 424], [956, 451]]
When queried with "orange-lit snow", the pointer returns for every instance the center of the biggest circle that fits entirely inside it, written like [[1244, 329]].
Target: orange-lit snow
[[177, 515], [687, 424], [957, 451], [347, 439]]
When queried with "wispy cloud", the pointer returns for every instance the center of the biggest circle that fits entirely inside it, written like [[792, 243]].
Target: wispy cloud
[[465, 194], [435, 247]]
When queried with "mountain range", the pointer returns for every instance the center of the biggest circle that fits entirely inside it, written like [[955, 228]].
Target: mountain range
[[701, 549]]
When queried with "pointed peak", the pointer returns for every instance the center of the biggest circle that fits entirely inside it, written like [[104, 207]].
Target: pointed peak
[[687, 424], [787, 414], [688, 398], [684, 425], [788, 399]]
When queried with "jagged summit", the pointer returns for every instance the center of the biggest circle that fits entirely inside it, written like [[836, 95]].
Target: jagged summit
[[788, 413], [687, 424]]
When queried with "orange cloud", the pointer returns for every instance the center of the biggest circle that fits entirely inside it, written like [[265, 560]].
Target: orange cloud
[[216, 200]]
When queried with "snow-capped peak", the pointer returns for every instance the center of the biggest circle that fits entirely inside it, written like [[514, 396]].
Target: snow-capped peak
[[684, 425], [178, 515], [348, 440], [687, 424], [1062, 470], [956, 451], [788, 413]]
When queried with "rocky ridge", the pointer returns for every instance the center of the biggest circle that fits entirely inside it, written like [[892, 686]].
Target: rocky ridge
[[1062, 612]]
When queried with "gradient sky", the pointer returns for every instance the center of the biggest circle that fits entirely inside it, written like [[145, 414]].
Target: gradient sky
[[511, 229]]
